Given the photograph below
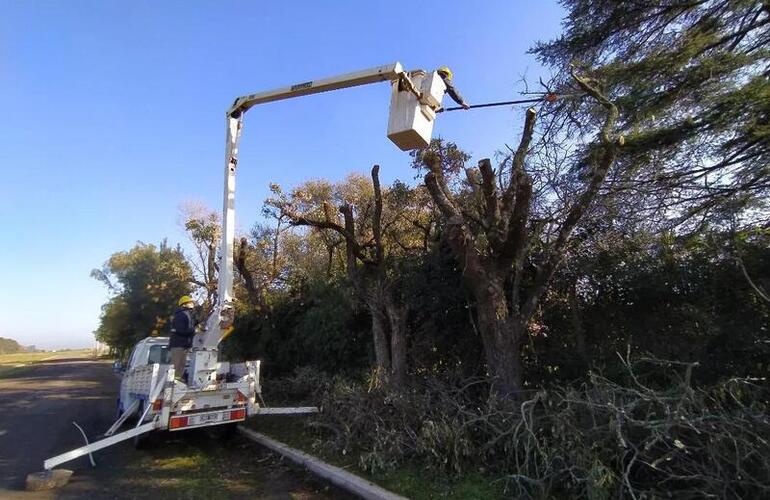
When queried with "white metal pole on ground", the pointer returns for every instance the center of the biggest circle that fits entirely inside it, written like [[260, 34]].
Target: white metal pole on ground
[[98, 445], [344, 479]]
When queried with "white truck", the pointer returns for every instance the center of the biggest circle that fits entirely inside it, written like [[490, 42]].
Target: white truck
[[228, 399], [216, 392]]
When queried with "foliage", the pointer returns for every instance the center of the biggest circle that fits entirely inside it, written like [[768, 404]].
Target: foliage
[[145, 284], [312, 325], [442, 337], [679, 298], [691, 82]]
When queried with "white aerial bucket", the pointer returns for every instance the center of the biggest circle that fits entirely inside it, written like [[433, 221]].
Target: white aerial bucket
[[410, 123]]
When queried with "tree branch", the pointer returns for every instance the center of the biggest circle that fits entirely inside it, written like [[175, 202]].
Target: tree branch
[[436, 184], [377, 216], [489, 189], [556, 252], [517, 164]]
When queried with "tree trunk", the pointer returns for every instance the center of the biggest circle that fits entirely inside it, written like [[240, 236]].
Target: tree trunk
[[380, 335], [501, 336], [577, 325], [239, 260], [330, 262], [397, 316]]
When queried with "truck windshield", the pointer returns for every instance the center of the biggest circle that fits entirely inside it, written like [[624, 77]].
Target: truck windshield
[[159, 354]]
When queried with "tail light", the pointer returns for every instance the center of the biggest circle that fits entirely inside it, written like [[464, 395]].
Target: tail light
[[238, 414], [177, 422], [157, 405], [239, 397]]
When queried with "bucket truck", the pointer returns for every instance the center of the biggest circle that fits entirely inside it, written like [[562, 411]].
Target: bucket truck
[[218, 392]]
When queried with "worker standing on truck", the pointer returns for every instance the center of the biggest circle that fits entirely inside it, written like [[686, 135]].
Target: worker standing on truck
[[182, 332], [446, 74]]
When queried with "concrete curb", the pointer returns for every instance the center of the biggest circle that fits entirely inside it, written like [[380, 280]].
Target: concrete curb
[[345, 480]]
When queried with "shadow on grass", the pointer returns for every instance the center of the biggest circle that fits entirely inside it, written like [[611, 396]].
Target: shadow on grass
[[194, 465]]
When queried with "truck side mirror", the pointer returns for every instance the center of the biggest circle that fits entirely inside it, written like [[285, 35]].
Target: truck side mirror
[[118, 367]]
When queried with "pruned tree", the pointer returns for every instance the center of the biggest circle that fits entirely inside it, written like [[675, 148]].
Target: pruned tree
[[493, 243], [372, 238]]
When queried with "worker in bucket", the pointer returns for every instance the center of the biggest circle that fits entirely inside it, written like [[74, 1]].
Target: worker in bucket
[[446, 74], [182, 332]]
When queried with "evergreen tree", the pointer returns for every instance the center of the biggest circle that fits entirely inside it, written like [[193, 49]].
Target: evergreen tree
[[690, 78]]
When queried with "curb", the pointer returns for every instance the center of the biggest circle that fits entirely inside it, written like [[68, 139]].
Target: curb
[[341, 478]]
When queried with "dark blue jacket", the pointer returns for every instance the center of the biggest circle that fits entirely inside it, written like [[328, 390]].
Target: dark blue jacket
[[182, 328], [452, 91]]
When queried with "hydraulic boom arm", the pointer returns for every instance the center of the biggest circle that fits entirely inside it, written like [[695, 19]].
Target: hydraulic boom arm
[[385, 73], [219, 323]]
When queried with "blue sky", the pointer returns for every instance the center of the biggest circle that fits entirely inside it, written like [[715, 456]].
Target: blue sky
[[112, 115]]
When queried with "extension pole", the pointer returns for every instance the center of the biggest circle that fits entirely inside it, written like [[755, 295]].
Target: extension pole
[[548, 97], [492, 104]]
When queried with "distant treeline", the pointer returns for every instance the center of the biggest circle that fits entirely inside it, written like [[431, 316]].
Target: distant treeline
[[10, 346]]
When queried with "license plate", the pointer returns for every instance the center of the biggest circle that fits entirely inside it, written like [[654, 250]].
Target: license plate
[[205, 418]]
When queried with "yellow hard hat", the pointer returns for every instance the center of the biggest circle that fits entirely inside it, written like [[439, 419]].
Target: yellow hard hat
[[184, 299], [447, 72]]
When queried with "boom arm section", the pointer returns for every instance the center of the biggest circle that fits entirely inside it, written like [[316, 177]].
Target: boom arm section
[[389, 72], [220, 321]]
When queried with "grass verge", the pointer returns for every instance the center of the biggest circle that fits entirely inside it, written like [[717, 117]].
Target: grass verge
[[413, 480], [193, 465]]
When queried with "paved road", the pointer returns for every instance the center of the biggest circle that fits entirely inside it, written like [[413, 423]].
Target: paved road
[[38, 404]]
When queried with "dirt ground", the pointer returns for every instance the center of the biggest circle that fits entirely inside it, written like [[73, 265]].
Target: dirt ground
[[39, 402]]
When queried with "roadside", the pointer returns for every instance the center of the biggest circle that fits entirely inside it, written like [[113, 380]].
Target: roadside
[[11, 362], [414, 481], [39, 402], [195, 465]]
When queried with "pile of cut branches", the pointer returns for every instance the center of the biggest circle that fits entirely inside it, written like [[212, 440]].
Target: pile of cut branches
[[651, 434]]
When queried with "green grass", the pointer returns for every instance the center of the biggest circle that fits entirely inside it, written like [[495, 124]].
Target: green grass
[[411, 480], [418, 483], [195, 466], [180, 471], [13, 364]]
